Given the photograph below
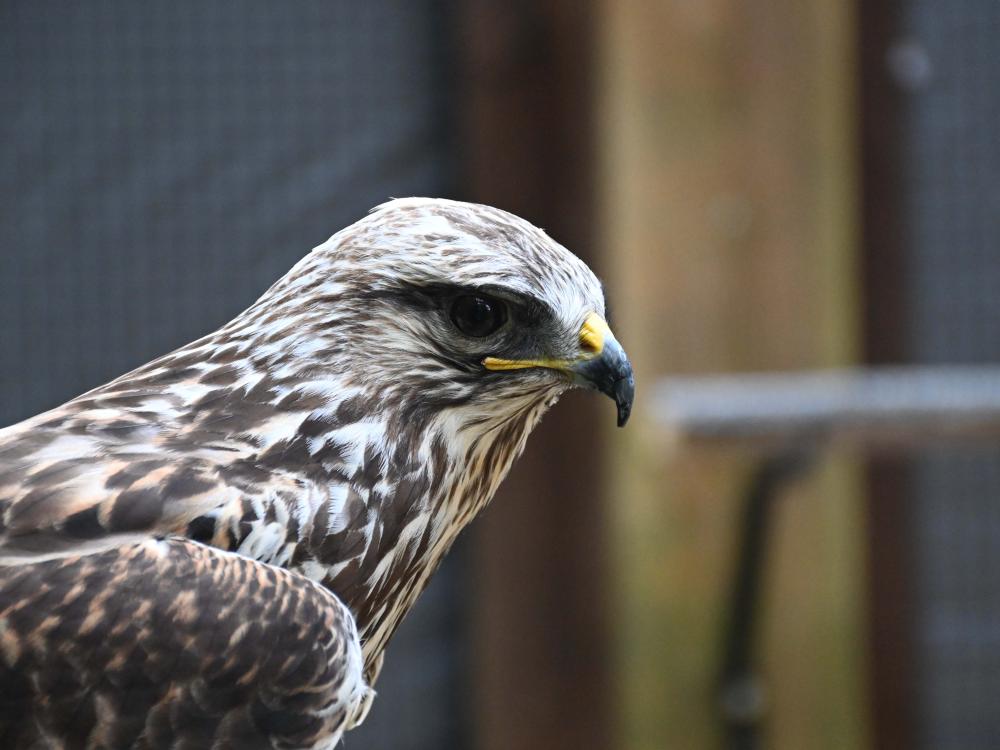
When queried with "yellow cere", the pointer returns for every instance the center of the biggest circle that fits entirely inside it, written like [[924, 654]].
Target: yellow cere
[[593, 333], [592, 336]]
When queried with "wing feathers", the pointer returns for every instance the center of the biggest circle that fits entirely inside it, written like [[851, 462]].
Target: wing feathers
[[173, 642]]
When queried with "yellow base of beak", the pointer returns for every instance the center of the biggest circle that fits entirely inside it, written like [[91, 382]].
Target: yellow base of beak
[[593, 334], [495, 363]]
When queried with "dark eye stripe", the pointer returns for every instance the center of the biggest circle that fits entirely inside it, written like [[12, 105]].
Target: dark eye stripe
[[523, 309]]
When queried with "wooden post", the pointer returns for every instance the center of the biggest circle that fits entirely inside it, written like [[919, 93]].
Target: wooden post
[[727, 187], [540, 640], [890, 565]]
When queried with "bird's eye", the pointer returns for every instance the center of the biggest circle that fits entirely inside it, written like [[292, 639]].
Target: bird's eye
[[478, 316]]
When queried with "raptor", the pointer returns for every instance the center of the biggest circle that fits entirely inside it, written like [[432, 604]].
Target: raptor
[[214, 549]]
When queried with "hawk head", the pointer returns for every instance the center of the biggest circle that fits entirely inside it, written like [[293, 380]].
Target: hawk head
[[347, 425], [437, 307]]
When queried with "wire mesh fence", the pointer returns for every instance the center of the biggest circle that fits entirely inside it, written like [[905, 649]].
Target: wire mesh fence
[[162, 164]]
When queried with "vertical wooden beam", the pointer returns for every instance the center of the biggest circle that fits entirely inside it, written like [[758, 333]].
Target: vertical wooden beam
[[541, 636], [728, 190], [890, 595]]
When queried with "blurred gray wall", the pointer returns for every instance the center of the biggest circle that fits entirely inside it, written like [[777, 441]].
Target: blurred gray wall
[[162, 163]]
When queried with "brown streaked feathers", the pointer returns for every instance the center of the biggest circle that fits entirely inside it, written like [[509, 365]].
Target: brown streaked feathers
[[217, 546], [157, 641]]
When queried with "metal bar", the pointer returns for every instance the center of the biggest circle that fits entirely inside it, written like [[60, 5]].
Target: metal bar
[[742, 695], [903, 407]]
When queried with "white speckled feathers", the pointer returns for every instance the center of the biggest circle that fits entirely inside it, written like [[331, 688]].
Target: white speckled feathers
[[341, 427]]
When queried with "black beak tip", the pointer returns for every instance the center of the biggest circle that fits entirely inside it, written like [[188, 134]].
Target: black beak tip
[[611, 374], [623, 392]]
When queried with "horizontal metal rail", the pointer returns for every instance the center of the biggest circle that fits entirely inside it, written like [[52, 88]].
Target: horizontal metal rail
[[898, 407]]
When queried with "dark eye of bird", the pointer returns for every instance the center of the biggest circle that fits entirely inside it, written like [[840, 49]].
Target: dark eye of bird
[[478, 316]]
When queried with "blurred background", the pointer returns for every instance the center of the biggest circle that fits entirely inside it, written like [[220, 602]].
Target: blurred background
[[766, 185]]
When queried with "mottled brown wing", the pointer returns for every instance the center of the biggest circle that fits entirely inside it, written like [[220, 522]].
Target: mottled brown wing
[[168, 643], [63, 503]]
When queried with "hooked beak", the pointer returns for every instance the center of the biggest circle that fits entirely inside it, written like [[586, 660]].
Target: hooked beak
[[602, 365]]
